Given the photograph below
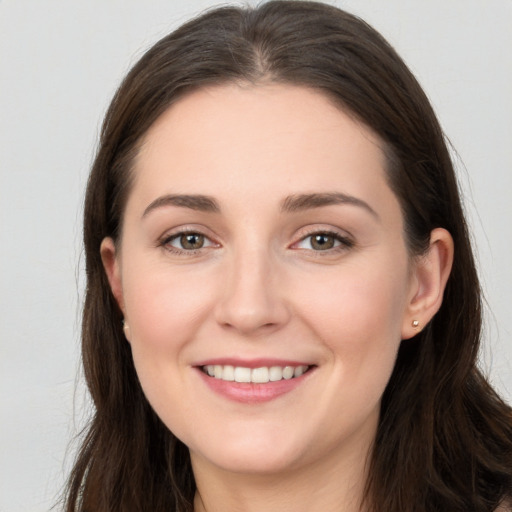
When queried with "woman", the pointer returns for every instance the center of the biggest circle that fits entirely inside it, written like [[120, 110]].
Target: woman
[[282, 307]]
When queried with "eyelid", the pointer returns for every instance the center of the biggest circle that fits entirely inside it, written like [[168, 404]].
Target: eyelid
[[345, 240], [177, 232]]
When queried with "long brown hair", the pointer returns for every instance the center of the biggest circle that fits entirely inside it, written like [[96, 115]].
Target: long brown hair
[[444, 441]]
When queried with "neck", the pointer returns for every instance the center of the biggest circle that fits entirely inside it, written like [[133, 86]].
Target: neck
[[330, 486]]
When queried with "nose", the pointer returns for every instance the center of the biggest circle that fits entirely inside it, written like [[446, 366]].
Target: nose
[[253, 299]]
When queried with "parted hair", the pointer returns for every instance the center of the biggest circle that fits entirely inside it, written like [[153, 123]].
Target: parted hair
[[444, 439]]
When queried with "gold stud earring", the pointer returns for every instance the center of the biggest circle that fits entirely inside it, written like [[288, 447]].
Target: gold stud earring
[[415, 323]]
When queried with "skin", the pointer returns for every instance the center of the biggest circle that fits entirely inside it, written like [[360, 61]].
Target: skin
[[258, 288]]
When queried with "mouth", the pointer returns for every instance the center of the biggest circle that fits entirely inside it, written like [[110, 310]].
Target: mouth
[[261, 375], [254, 381]]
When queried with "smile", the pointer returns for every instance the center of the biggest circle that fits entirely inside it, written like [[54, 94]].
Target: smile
[[260, 375]]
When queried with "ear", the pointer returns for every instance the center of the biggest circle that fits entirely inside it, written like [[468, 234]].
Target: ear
[[111, 265], [430, 274]]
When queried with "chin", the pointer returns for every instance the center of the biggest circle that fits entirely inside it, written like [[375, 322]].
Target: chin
[[251, 457]]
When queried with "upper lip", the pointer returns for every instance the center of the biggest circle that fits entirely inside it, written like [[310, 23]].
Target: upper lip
[[251, 363]]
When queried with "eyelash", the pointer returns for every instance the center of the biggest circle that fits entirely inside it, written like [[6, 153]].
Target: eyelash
[[166, 240], [344, 243]]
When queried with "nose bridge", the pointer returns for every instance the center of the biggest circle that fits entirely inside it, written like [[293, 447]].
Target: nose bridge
[[252, 298]]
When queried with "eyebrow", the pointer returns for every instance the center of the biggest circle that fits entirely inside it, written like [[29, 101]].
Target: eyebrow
[[294, 203], [194, 202], [302, 202]]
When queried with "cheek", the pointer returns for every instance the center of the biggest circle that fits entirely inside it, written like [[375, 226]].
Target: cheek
[[164, 310], [165, 307], [359, 313]]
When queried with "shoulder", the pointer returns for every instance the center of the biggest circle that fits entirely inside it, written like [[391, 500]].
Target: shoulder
[[505, 506]]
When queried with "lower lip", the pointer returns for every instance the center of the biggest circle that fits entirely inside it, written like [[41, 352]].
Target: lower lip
[[250, 393]]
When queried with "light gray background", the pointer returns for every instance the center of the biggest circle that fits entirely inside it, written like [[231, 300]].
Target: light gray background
[[60, 62]]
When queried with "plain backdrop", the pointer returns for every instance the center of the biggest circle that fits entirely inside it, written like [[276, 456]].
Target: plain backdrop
[[61, 61]]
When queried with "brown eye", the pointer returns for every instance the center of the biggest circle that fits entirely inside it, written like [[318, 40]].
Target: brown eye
[[322, 242], [186, 242], [191, 241]]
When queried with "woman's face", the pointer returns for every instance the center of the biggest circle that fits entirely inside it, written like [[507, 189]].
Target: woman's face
[[261, 240]]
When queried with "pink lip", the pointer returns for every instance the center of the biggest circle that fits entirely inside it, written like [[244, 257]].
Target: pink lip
[[248, 392]]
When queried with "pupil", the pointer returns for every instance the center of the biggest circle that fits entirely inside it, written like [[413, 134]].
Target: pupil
[[322, 242], [192, 241]]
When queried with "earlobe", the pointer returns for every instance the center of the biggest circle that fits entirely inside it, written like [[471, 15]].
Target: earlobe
[[430, 275], [111, 265]]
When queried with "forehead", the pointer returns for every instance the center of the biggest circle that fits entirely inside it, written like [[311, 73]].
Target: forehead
[[272, 140], [222, 115]]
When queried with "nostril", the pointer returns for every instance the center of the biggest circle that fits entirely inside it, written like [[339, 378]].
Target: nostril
[[251, 299]]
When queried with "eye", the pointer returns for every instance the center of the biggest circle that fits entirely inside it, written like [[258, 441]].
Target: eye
[[186, 241], [323, 241]]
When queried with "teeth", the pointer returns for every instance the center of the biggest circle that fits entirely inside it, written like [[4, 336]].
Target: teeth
[[299, 371], [259, 375], [228, 373], [255, 375], [288, 372], [276, 373], [242, 374]]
